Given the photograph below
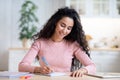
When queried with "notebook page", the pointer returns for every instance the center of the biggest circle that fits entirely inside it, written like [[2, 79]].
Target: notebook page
[[56, 74]]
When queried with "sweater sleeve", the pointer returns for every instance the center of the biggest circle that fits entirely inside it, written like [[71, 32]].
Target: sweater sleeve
[[85, 60], [25, 64]]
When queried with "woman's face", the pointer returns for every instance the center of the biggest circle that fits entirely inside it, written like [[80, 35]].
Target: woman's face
[[63, 28]]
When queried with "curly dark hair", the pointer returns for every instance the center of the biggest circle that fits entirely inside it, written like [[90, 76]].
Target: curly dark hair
[[77, 33]]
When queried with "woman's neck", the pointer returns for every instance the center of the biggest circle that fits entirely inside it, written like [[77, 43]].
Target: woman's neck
[[56, 39]]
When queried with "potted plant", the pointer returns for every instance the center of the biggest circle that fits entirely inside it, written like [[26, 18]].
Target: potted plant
[[27, 21]]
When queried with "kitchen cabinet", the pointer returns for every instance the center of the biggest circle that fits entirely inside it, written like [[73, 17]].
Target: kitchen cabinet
[[106, 60]]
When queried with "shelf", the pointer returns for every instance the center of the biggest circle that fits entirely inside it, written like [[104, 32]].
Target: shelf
[[105, 49], [18, 48], [92, 49]]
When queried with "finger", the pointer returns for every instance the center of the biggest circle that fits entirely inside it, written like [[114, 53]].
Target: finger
[[50, 69], [47, 69], [78, 74], [73, 74], [42, 70], [81, 75]]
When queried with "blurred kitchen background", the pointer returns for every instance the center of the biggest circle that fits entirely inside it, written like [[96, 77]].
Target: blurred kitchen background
[[100, 20]]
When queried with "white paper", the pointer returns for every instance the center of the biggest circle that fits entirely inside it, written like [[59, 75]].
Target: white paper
[[56, 74], [12, 74]]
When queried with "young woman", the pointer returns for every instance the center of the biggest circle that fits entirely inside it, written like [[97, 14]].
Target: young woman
[[61, 41]]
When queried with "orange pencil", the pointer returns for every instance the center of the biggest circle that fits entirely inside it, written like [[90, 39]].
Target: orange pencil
[[25, 77]]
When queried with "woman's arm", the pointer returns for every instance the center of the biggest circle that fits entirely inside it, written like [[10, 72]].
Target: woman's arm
[[85, 61], [25, 64], [89, 66]]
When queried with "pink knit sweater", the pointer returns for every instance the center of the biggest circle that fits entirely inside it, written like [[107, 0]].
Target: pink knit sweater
[[58, 54]]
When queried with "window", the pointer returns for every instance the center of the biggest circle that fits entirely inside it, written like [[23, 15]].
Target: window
[[109, 8], [101, 7], [79, 5], [118, 7]]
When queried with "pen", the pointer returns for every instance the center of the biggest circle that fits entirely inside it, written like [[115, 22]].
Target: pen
[[44, 60], [46, 63]]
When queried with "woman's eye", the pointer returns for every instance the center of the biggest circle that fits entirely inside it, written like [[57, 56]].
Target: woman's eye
[[63, 25], [69, 28]]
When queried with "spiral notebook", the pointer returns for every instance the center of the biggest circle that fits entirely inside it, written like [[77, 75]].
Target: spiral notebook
[[105, 75]]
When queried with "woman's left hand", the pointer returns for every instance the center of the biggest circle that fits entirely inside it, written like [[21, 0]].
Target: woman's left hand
[[79, 73]]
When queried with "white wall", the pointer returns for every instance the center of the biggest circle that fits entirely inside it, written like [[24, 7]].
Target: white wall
[[102, 28], [9, 16], [5, 28], [46, 9]]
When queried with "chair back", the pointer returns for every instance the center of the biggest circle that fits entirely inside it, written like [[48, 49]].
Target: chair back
[[75, 64]]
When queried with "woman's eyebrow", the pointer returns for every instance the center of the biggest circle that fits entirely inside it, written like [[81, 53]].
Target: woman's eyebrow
[[65, 24]]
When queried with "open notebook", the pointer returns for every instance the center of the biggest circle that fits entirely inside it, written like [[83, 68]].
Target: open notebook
[[105, 75], [56, 74], [7, 74]]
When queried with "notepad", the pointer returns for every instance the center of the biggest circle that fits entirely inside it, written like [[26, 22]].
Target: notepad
[[13, 74], [56, 74], [105, 75]]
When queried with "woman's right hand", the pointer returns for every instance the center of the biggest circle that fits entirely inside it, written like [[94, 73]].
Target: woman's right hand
[[43, 70]]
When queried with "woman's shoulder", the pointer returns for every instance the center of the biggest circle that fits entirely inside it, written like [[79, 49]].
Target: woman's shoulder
[[41, 40], [74, 43]]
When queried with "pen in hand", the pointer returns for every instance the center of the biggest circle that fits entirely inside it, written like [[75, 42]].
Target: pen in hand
[[44, 60], [46, 68]]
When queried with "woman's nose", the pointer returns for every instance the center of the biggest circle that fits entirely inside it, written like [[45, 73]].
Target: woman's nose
[[64, 30]]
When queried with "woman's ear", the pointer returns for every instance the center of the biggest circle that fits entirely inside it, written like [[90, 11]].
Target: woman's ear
[[55, 24]]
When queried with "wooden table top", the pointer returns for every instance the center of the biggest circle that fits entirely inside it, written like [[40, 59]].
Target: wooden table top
[[41, 77]]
